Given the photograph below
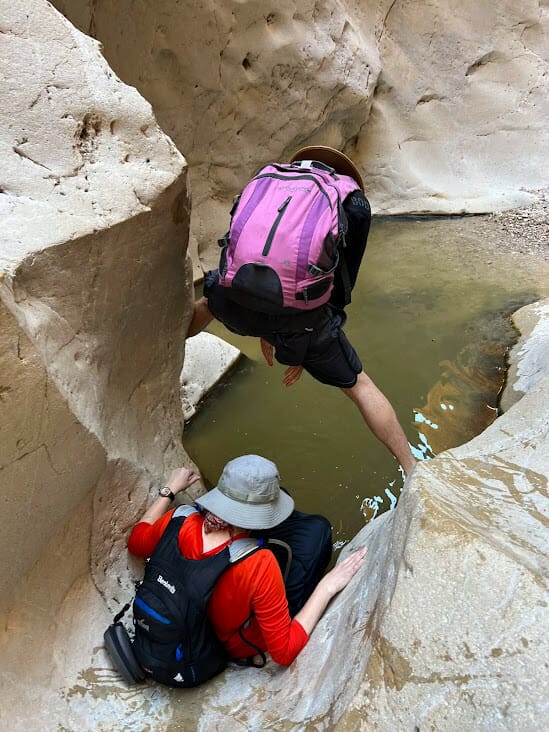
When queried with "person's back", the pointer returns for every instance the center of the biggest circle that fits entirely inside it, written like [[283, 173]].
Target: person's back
[[248, 607], [314, 340], [235, 596]]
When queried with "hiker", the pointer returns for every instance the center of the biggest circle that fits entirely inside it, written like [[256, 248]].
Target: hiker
[[304, 336], [248, 608]]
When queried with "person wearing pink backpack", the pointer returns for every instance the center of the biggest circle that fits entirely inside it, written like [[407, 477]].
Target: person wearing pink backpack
[[287, 268]]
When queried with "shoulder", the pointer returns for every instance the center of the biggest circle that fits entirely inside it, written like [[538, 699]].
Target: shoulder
[[191, 525]]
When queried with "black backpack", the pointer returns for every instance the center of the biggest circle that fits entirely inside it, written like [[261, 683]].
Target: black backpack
[[174, 640]]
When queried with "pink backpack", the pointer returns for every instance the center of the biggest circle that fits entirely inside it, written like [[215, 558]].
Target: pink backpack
[[287, 229]]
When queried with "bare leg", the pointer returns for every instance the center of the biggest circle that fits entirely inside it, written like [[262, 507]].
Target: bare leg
[[380, 417]]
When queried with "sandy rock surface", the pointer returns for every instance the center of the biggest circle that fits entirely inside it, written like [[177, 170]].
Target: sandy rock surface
[[446, 626]]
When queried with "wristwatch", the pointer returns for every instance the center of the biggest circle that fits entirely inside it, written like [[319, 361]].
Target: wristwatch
[[165, 492]]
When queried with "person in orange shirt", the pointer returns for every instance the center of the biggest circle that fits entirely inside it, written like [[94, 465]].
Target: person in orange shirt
[[249, 607]]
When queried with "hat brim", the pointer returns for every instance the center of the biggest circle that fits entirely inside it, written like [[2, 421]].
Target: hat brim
[[247, 515], [332, 157]]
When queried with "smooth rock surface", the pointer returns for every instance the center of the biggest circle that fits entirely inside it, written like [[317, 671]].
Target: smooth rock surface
[[95, 297], [48, 460], [445, 627], [529, 358], [444, 108], [207, 359]]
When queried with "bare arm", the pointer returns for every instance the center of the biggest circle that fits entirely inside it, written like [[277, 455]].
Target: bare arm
[[179, 480], [201, 317], [332, 583]]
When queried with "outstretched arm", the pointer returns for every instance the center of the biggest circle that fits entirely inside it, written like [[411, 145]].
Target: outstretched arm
[[380, 417], [332, 583], [147, 532], [201, 317]]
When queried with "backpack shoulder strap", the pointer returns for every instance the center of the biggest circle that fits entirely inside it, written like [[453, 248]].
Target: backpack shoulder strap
[[242, 548], [184, 510], [289, 554]]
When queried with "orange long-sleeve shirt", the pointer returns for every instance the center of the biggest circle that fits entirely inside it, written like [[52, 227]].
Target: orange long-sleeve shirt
[[254, 585]]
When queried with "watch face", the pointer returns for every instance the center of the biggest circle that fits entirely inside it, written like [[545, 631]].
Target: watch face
[[165, 491]]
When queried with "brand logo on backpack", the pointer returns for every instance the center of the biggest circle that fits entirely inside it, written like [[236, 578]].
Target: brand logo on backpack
[[174, 637], [166, 584], [282, 250]]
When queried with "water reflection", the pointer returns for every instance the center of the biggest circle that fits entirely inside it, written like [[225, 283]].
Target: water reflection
[[429, 319]]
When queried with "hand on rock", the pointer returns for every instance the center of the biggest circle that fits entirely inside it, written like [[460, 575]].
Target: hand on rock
[[181, 478], [340, 576]]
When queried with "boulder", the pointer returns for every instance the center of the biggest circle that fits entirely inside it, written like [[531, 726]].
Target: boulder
[[207, 359]]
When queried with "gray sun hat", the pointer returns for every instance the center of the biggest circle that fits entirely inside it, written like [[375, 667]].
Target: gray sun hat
[[248, 494]]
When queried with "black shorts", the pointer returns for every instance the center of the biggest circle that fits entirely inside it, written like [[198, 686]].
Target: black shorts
[[325, 353], [314, 340]]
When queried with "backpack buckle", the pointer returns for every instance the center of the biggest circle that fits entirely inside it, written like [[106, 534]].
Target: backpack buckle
[[314, 164]]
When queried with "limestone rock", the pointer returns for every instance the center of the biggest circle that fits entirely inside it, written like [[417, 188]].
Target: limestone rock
[[457, 121], [96, 208], [238, 85], [207, 359]]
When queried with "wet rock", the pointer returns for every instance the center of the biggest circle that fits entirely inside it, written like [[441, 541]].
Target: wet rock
[[529, 359]]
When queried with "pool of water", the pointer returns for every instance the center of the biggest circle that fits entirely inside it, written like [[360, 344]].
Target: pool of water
[[430, 321]]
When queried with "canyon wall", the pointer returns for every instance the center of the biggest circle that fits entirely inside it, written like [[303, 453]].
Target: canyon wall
[[95, 295], [445, 625], [443, 107]]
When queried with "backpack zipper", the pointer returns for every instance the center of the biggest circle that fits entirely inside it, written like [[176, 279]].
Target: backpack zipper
[[275, 226]]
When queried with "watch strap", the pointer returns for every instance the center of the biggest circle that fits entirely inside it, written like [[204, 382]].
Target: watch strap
[[166, 493]]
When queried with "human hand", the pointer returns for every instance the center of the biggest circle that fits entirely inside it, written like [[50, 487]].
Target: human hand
[[267, 350], [340, 576], [291, 375], [181, 478]]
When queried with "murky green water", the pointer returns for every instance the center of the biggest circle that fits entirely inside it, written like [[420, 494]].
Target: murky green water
[[429, 319]]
